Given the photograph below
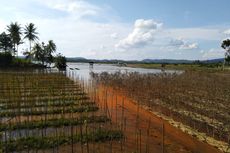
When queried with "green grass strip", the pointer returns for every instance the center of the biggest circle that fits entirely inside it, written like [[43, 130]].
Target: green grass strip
[[53, 123], [44, 104], [55, 111], [35, 143], [15, 100]]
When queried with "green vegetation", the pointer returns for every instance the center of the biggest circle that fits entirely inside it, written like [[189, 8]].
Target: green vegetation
[[5, 42], [43, 52], [5, 59], [30, 33], [10, 41], [60, 62], [54, 123], [15, 32], [43, 104], [226, 45], [41, 110], [47, 111], [195, 66], [99, 135]]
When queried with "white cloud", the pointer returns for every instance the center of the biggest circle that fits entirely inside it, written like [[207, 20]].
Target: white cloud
[[189, 46], [114, 35], [73, 36], [195, 33], [227, 32], [81, 9], [182, 44], [81, 28], [212, 53], [142, 34], [77, 7], [80, 38], [2, 26]]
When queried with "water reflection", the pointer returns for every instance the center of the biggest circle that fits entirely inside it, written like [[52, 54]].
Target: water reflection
[[83, 70]]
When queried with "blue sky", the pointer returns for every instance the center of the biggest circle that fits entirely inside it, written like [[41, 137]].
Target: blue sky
[[175, 13], [125, 29]]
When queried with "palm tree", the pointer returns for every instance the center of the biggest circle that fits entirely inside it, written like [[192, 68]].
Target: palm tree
[[50, 48], [38, 53], [14, 30], [43, 52], [30, 33]]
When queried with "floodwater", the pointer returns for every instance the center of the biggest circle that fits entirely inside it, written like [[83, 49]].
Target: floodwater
[[82, 70]]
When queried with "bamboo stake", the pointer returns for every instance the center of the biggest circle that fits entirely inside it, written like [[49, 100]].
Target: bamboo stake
[[163, 133]]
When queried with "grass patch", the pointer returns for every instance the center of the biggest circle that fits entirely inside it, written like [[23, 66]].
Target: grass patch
[[43, 104], [29, 143], [53, 123], [57, 111]]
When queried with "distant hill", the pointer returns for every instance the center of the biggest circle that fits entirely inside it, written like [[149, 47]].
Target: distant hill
[[84, 60], [159, 61], [76, 59], [169, 61], [218, 60]]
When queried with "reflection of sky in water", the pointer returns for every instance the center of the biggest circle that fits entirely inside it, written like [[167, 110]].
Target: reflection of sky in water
[[85, 69]]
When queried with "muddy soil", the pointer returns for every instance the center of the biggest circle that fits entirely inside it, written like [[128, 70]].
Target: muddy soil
[[145, 132]]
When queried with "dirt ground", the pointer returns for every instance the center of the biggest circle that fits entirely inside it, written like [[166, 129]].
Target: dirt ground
[[143, 130]]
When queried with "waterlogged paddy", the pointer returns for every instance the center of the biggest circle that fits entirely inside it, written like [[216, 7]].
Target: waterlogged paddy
[[38, 112]]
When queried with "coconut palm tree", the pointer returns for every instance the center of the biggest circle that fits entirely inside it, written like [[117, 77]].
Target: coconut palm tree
[[30, 33], [43, 52], [14, 30], [50, 48], [38, 53]]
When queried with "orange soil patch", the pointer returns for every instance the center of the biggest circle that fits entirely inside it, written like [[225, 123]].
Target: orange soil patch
[[143, 130]]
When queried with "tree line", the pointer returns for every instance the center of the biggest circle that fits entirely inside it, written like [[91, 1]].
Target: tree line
[[16, 34]]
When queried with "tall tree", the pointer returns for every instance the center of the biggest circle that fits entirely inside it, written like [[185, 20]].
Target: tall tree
[[43, 52], [50, 48], [38, 52], [226, 45], [14, 30], [30, 33], [5, 42]]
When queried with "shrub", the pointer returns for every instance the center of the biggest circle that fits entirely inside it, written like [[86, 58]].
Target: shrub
[[5, 59], [60, 62], [21, 62]]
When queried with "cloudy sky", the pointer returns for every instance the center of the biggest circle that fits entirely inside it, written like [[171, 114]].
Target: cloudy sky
[[125, 29]]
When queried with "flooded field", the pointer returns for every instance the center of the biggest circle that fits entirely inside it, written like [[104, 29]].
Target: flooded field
[[39, 112], [83, 70], [148, 99], [74, 111]]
